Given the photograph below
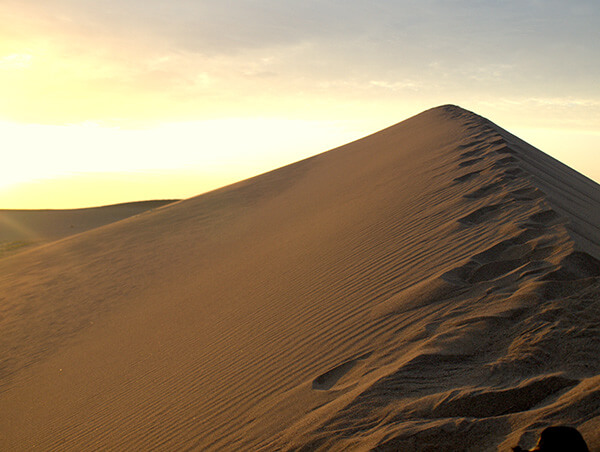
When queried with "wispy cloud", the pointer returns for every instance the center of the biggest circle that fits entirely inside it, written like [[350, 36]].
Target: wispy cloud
[[150, 59], [15, 61]]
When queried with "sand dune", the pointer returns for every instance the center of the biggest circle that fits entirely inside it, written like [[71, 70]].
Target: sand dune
[[434, 286], [21, 228]]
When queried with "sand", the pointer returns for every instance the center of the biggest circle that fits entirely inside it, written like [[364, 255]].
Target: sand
[[434, 286], [24, 228]]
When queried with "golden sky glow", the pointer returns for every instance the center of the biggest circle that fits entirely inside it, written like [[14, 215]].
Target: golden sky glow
[[208, 92], [97, 165]]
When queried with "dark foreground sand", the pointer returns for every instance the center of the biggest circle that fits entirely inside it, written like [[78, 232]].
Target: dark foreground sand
[[434, 286]]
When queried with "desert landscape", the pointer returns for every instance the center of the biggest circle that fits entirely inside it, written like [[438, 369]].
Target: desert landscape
[[433, 286], [22, 228]]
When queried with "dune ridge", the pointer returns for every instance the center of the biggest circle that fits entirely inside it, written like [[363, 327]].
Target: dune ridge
[[22, 228], [434, 286]]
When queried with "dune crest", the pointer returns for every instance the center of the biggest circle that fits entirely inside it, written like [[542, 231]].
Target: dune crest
[[433, 286], [20, 229]]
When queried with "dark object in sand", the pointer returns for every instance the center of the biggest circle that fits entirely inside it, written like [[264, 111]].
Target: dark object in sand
[[558, 439]]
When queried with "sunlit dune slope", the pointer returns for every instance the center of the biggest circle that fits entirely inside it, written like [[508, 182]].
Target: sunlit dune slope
[[434, 286], [19, 228]]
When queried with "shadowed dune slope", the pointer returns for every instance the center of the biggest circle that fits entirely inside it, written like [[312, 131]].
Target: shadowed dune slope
[[434, 286], [19, 228]]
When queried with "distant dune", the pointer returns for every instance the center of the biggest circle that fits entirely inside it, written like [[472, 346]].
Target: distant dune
[[434, 286], [20, 228]]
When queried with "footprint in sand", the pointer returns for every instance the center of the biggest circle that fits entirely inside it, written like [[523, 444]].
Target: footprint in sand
[[512, 173], [467, 176], [503, 162], [470, 145], [484, 190], [504, 150], [480, 215], [526, 194], [470, 162], [485, 402], [472, 153], [327, 380]]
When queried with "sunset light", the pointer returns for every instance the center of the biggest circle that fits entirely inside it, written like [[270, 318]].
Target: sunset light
[[228, 92], [300, 225]]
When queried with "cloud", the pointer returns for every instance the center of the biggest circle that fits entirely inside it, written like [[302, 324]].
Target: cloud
[[192, 58], [15, 61], [231, 26]]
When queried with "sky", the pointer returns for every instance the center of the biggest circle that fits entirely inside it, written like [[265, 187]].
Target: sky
[[114, 101]]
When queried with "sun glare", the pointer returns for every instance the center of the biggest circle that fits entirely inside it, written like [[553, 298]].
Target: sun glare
[[88, 164], [89, 91]]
